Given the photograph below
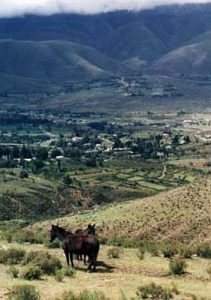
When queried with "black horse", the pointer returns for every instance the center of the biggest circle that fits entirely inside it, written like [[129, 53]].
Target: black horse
[[79, 244]]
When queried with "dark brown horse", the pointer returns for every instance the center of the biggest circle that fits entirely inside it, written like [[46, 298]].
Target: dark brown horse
[[89, 230], [79, 244]]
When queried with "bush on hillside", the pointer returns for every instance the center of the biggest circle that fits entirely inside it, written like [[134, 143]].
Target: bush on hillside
[[12, 255], [24, 292], [23, 236], [32, 255], [169, 251], [31, 273], [45, 261], [177, 266], [53, 245], [155, 292], [204, 250], [186, 252], [59, 276], [69, 272], [13, 271], [48, 264], [23, 174], [150, 246], [85, 295], [141, 253]]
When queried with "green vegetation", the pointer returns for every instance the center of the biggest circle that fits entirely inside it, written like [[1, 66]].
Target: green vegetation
[[31, 273], [155, 292], [12, 255], [24, 292], [204, 250], [83, 296], [177, 266]]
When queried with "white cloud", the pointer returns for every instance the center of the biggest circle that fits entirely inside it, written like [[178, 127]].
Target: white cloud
[[20, 7]]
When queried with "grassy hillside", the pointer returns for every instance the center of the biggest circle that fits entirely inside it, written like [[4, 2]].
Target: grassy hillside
[[190, 59], [182, 214], [51, 62], [35, 197]]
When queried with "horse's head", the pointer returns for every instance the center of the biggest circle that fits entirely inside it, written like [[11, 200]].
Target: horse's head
[[91, 229], [53, 232]]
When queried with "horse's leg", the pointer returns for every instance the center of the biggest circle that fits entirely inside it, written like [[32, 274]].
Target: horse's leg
[[85, 259], [71, 259], [67, 256], [89, 269]]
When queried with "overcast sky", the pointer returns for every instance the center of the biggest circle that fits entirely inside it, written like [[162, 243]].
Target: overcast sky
[[20, 7]]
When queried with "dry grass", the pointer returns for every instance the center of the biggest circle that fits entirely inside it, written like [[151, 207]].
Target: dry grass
[[182, 214], [124, 274]]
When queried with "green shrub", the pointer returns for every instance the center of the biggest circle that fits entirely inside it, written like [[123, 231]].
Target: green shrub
[[141, 253], [114, 252], [59, 276], [7, 236], [53, 245], [204, 250], [185, 252], [24, 292], [153, 250], [83, 296], [44, 260], [12, 255], [23, 174], [31, 273], [150, 246], [48, 264], [13, 271], [28, 236], [177, 266], [155, 292], [169, 251], [69, 272], [32, 255]]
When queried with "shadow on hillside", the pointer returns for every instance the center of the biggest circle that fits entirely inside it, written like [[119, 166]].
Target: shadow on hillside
[[101, 267]]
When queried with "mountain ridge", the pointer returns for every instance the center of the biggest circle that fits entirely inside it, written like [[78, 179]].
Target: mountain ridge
[[53, 50]]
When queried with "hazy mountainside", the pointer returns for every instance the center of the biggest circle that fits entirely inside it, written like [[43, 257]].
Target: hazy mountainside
[[36, 51], [52, 61], [193, 58]]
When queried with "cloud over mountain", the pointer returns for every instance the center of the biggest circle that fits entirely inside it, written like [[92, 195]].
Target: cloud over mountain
[[47, 7]]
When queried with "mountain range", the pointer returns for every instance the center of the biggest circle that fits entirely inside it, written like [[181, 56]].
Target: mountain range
[[44, 52]]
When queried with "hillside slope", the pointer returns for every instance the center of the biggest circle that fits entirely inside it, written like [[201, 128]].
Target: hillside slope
[[52, 61], [182, 214], [190, 59]]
